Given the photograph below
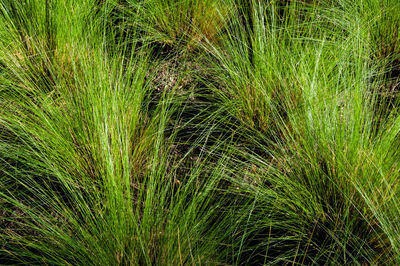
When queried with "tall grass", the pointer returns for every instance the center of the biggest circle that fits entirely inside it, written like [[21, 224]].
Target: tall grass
[[300, 88], [273, 140]]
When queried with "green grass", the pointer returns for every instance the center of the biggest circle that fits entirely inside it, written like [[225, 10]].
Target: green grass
[[199, 132]]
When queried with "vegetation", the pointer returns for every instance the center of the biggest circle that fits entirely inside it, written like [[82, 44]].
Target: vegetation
[[189, 132]]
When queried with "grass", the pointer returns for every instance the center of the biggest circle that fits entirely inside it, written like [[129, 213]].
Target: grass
[[199, 132]]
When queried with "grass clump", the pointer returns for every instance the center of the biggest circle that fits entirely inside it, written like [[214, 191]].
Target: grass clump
[[174, 26]]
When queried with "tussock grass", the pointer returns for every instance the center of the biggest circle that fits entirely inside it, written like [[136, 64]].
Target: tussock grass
[[199, 132]]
